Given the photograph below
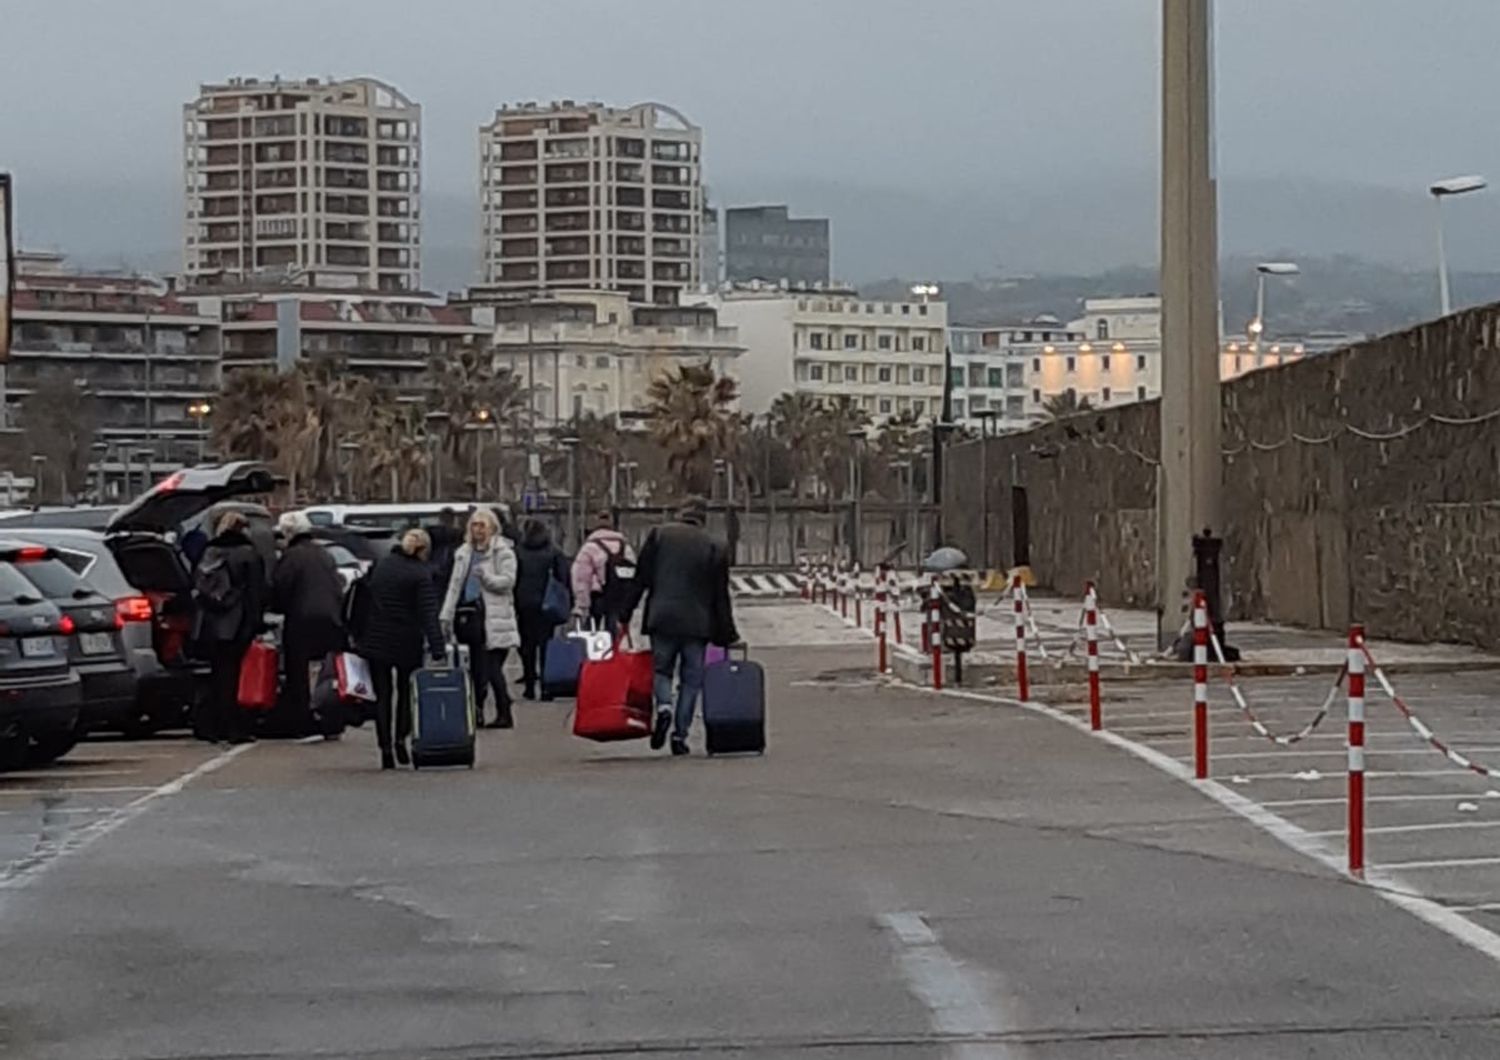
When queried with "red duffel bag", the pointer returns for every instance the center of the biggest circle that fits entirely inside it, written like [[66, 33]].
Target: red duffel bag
[[257, 689], [614, 695]]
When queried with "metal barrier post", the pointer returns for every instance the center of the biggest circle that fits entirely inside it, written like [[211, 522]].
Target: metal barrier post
[[1023, 679], [1356, 750], [1091, 634], [882, 602], [935, 637], [1200, 686]]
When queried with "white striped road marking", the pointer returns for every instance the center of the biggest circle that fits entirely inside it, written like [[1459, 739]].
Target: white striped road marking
[[1337, 774], [70, 791], [1440, 863], [1434, 826], [1340, 800], [19, 873], [1334, 753], [957, 998], [69, 774], [1385, 885], [1482, 907]]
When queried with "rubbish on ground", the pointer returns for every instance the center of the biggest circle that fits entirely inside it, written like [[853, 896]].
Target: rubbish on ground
[[1468, 807], [1308, 774], [1237, 779]]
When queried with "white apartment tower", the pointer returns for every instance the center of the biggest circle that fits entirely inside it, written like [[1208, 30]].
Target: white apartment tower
[[588, 196], [316, 177]]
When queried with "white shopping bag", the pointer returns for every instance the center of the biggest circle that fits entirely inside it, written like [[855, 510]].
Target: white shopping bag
[[596, 643], [354, 677]]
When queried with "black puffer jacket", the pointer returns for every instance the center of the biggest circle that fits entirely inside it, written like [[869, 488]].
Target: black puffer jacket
[[306, 587], [238, 622], [684, 574], [536, 558], [402, 610]]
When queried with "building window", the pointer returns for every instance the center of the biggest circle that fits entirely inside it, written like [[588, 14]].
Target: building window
[[917, 342], [996, 377], [958, 410], [883, 342], [1036, 396], [815, 373], [1025, 336], [887, 308], [918, 374], [1036, 364], [1014, 377], [1140, 393], [1140, 363], [1103, 331], [885, 406], [884, 376], [1104, 362], [1105, 395], [583, 360], [922, 309], [851, 373], [977, 404], [601, 362], [919, 406], [1072, 363], [851, 342], [815, 340], [905, 310]]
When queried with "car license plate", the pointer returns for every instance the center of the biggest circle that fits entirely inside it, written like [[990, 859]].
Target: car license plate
[[31, 647], [95, 643]]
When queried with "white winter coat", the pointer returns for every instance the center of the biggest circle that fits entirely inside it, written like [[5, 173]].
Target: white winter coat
[[497, 580]]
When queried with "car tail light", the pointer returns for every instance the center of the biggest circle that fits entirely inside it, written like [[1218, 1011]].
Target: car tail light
[[30, 553], [133, 609], [66, 626]]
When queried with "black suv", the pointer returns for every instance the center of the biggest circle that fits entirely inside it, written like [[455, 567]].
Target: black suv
[[40, 693], [96, 646]]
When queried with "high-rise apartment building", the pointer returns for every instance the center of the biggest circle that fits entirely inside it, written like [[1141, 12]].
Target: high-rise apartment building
[[766, 243], [312, 176], [588, 196]]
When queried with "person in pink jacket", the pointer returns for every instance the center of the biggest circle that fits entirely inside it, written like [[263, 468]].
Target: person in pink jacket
[[603, 575]]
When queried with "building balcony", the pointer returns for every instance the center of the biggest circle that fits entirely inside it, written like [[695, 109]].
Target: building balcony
[[517, 175], [671, 200], [346, 178], [276, 178], [567, 222], [567, 174], [568, 248], [518, 151], [518, 223]]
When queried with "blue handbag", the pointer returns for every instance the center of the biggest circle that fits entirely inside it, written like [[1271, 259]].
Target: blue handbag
[[557, 601]]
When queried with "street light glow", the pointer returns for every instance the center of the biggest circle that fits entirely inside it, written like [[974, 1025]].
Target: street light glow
[[1278, 268], [1457, 185]]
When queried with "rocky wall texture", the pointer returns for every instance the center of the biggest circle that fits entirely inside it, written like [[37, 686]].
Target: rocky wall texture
[[1362, 485]]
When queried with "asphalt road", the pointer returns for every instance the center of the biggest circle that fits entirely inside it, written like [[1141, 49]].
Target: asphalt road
[[902, 876]]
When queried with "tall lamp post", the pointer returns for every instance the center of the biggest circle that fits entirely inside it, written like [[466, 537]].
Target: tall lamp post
[[570, 443], [1264, 269], [856, 495], [985, 417], [1440, 190], [943, 422], [481, 421], [200, 411]]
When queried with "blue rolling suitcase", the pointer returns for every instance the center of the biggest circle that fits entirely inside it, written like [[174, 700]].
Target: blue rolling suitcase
[[562, 662], [442, 724], [734, 706]]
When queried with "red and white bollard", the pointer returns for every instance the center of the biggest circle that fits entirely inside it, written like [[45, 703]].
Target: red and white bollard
[[804, 579], [859, 597], [1023, 678], [1200, 686], [882, 602], [844, 594], [896, 606], [935, 634], [1091, 636], [1356, 750], [925, 600]]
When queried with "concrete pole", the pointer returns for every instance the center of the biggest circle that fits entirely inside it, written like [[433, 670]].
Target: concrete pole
[[1191, 465]]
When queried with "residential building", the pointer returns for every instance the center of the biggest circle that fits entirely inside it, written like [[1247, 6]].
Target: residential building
[[1109, 356], [991, 367], [148, 360], [765, 243], [585, 196], [885, 356], [388, 338], [306, 176], [597, 352], [711, 248]]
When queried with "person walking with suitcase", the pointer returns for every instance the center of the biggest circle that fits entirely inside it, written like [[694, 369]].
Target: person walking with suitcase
[[603, 575], [479, 611], [399, 611], [540, 565], [230, 589], [307, 593], [683, 574]]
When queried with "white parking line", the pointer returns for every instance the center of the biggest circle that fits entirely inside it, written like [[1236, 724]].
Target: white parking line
[[71, 791], [1218, 756], [1439, 863], [1340, 800], [1434, 826], [1337, 774]]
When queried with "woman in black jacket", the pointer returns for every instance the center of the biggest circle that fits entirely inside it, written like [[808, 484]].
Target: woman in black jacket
[[538, 561], [307, 591], [230, 591], [399, 610]]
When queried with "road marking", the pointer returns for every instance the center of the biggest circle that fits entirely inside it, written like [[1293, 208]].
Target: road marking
[[72, 791], [1397, 829], [1440, 863], [1332, 753], [1482, 907], [957, 998], [69, 774], [1335, 774], [1340, 800], [19, 873], [1389, 887]]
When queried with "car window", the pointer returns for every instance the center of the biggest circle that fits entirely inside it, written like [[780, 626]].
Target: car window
[[13, 587], [78, 562], [100, 571], [53, 577], [341, 555]]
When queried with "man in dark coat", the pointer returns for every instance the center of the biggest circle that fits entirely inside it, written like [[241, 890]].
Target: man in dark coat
[[399, 612], [307, 591], [230, 589], [684, 575], [538, 562], [446, 536]]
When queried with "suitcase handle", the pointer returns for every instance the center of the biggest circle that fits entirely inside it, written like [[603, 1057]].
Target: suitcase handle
[[738, 646]]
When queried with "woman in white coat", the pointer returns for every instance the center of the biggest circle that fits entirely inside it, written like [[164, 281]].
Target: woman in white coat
[[479, 610]]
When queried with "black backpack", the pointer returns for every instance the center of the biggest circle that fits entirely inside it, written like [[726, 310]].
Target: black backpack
[[619, 581], [212, 583]]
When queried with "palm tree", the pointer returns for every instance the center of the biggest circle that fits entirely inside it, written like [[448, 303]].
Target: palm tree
[[899, 437], [691, 415], [796, 421], [59, 420], [840, 420], [265, 415], [1060, 406]]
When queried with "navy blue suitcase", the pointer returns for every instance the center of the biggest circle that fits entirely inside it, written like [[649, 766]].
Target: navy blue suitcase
[[734, 706], [442, 724], [562, 662]]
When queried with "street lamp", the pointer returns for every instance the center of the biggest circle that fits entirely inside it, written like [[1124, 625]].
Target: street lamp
[[1445, 189], [481, 420], [984, 416], [570, 443], [37, 462], [856, 491], [926, 291], [200, 410], [1264, 269]]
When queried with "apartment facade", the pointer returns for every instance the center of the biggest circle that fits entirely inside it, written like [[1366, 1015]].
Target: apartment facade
[[585, 196], [148, 360], [597, 352], [992, 370], [766, 243], [303, 177], [887, 357]]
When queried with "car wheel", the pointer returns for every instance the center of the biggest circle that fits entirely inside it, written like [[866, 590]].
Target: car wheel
[[138, 727], [13, 752], [50, 747]]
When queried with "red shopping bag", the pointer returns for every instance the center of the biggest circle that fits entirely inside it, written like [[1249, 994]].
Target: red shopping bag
[[614, 695], [257, 689]]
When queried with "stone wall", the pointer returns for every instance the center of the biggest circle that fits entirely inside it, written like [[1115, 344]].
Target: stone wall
[[1343, 500]]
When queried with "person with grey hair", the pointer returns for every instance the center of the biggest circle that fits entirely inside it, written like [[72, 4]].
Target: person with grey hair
[[479, 610], [307, 591], [402, 612], [229, 587]]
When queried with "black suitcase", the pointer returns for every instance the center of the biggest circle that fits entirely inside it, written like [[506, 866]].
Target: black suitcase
[[734, 706], [442, 731]]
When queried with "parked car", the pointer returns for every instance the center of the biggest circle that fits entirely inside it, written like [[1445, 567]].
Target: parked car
[[83, 517], [40, 693], [163, 695], [95, 643]]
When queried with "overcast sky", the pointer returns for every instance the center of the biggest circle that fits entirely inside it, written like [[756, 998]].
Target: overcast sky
[[887, 94]]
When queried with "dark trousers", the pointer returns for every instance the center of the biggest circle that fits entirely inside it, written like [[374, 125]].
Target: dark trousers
[[301, 647], [487, 675], [391, 698], [536, 631], [224, 718]]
